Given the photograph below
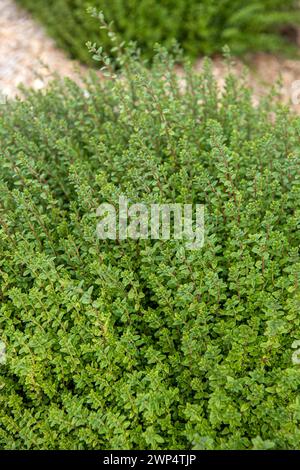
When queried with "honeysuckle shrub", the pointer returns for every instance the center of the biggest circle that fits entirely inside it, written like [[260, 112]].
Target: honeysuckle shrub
[[200, 26], [144, 344]]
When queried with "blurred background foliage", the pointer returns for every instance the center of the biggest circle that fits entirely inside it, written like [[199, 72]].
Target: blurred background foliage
[[201, 27]]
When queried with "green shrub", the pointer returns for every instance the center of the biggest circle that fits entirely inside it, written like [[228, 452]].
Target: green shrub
[[200, 26], [134, 344]]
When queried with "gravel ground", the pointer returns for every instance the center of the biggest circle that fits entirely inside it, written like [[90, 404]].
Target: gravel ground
[[28, 56], [266, 70]]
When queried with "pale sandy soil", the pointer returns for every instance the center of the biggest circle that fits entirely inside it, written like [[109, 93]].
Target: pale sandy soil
[[28, 56]]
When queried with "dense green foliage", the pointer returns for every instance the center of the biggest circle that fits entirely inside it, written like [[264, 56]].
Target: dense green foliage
[[200, 26], [145, 344]]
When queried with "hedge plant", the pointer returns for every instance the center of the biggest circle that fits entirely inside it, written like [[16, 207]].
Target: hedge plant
[[200, 26], [144, 344]]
